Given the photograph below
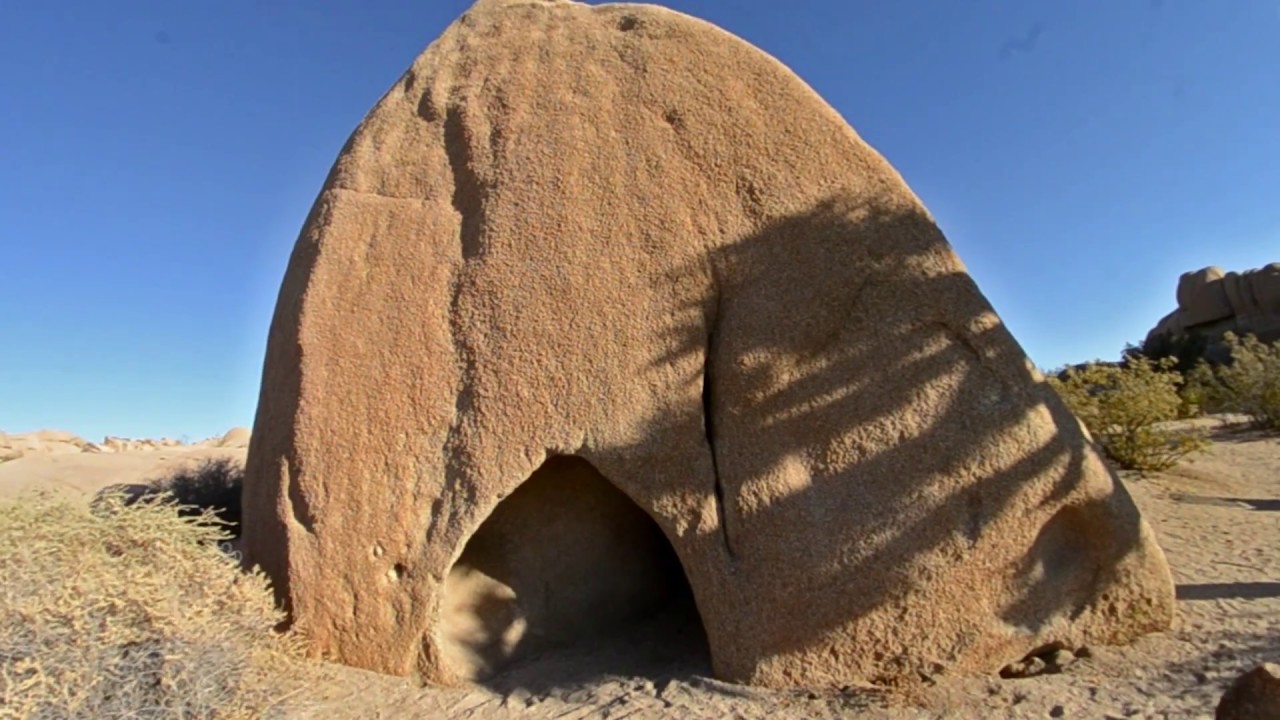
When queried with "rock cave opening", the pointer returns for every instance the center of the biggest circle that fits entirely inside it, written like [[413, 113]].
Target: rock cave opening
[[569, 576]]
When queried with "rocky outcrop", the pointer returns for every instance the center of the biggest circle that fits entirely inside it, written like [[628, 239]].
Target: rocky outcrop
[[53, 442], [14, 446], [114, 444], [595, 287], [236, 437], [1212, 302]]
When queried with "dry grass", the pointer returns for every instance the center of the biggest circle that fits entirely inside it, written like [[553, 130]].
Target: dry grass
[[132, 611]]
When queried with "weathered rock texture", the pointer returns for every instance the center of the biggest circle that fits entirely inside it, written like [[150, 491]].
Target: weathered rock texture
[[1212, 302], [620, 234]]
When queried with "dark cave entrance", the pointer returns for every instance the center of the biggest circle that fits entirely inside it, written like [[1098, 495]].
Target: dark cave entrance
[[570, 576]]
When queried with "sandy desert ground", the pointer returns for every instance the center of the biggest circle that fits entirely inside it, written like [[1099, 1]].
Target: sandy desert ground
[[70, 466], [1218, 520]]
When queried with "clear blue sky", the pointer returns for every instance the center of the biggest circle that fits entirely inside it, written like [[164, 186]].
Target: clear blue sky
[[158, 158]]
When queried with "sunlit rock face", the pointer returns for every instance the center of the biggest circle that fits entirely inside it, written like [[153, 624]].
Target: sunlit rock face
[[1212, 302]]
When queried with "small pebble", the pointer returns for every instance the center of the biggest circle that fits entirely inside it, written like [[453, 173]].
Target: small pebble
[[1061, 659], [1023, 668]]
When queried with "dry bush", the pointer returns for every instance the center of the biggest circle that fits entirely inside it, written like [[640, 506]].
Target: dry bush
[[1127, 407], [215, 484], [1249, 384], [132, 611]]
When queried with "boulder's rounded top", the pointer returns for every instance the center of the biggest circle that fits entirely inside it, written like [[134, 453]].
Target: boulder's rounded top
[[235, 437], [1194, 278]]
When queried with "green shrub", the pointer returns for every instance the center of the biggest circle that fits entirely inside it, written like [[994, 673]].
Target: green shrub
[[1187, 349], [131, 611], [1249, 384], [1127, 408]]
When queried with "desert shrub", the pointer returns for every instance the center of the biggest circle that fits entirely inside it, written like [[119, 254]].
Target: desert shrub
[[1127, 408], [1187, 349], [1249, 384], [1184, 352], [215, 485], [1194, 394], [132, 612]]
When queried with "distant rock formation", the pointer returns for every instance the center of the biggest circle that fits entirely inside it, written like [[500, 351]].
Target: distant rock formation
[[53, 442], [14, 446], [237, 437], [121, 444], [1212, 302]]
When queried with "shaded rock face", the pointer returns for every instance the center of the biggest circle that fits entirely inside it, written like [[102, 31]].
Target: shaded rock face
[[1254, 695], [567, 557], [620, 234], [1212, 302]]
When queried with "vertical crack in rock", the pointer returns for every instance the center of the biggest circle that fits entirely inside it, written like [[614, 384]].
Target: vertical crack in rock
[[469, 193], [468, 201], [709, 425]]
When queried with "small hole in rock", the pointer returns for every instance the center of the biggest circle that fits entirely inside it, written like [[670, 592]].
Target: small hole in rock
[[628, 23]]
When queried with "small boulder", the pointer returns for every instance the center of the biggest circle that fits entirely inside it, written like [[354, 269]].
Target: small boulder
[[1255, 695], [1048, 661], [1059, 660]]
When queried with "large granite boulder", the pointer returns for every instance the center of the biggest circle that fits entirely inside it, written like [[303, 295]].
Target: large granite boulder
[[602, 308]]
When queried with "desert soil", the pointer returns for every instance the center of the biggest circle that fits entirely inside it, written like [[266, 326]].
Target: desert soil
[[1218, 520]]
